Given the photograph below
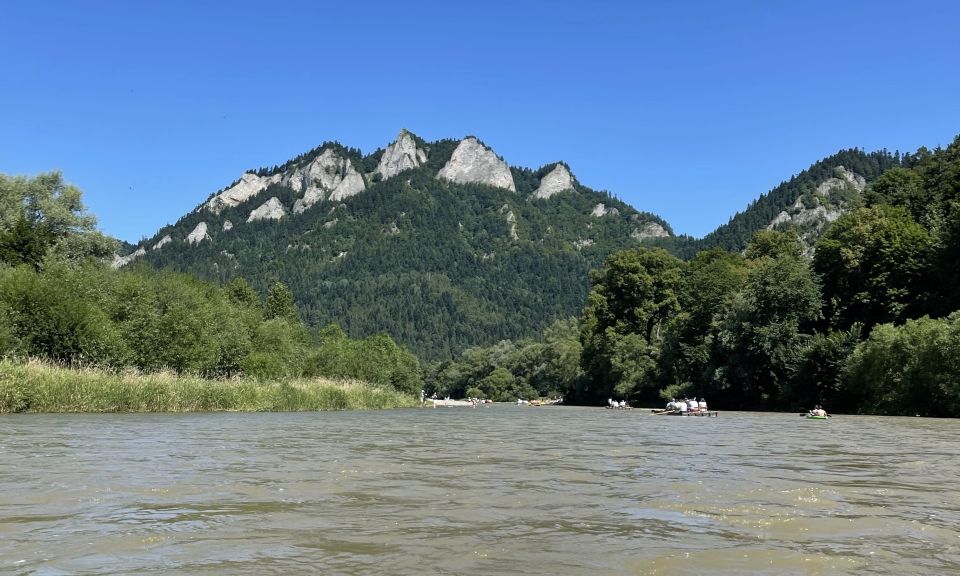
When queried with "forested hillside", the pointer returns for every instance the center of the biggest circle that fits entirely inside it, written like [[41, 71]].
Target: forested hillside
[[440, 263], [803, 191], [870, 324]]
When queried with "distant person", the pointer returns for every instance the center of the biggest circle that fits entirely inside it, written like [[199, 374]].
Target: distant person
[[683, 406], [818, 411], [702, 404], [693, 406]]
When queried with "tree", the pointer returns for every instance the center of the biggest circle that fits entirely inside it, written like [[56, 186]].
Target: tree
[[25, 243], [48, 208], [900, 187], [633, 297], [759, 341], [241, 293], [910, 369], [874, 265], [280, 304]]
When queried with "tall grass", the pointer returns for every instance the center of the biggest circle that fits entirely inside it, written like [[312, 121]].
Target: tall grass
[[36, 386]]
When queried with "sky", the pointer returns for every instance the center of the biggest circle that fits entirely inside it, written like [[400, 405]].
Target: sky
[[686, 109]]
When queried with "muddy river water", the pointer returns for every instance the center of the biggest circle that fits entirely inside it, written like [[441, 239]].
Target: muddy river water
[[493, 490]]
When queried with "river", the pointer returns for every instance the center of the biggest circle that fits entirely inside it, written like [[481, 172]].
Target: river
[[493, 490]]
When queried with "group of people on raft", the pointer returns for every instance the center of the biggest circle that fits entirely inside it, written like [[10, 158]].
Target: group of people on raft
[[687, 405]]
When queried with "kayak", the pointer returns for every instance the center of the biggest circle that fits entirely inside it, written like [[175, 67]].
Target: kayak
[[812, 417]]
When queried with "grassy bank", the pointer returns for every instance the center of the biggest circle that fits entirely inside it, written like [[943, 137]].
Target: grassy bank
[[42, 387]]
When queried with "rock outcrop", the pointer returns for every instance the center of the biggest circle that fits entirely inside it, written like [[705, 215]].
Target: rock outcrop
[[249, 186], [649, 230], [227, 225], [601, 210], [198, 235], [162, 242], [556, 181], [401, 155], [272, 209], [329, 176], [120, 261], [511, 219], [474, 163], [810, 214]]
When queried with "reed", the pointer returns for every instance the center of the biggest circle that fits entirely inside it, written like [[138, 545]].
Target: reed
[[38, 386]]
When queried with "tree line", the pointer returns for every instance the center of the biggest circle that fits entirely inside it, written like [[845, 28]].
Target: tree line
[[60, 302], [870, 324]]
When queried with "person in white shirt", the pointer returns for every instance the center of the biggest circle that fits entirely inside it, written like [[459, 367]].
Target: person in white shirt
[[682, 406], [703, 404]]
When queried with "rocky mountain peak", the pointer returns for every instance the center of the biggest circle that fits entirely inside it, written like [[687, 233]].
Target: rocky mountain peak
[[329, 175], [474, 163], [556, 181], [402, 154]]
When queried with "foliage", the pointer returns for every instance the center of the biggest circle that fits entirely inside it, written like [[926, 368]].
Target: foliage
[[43, 387], [433, 263], [633, 297], [510, 370], [873, 263], [908, 369], [736, 234], [43, 216], [760, 339]]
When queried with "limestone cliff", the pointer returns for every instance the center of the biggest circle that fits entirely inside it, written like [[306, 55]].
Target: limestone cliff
[[402, 154], [249, 186], [328, 176], [601, 210], [474, 163], [811, 213], [198, 235], [556, 181], [120, 261], [272, 209], [649, 230], [162, 242]]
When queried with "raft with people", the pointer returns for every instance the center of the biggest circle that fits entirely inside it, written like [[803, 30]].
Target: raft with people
[[817, 413], [685, 407]]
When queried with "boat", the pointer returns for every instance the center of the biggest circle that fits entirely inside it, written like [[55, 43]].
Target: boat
[[700, 413], [448, 403], [812, 417]]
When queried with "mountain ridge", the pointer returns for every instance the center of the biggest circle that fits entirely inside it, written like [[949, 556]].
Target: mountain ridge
[[446, 250]]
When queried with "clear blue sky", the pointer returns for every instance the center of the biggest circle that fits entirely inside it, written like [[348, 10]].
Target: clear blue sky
[[686, 109]]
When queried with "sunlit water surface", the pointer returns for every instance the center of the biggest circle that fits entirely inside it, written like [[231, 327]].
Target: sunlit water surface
[[492, 490]]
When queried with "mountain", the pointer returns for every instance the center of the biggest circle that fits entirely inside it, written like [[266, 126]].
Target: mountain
[[807, 202], [441, 244]]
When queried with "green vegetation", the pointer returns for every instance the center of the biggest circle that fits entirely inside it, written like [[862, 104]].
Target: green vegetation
[[429, 262], [506, 371], [59, 303], [44, 387], [869, 324]]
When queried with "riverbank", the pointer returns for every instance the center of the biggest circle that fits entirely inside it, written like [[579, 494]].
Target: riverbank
[[35, 386]]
